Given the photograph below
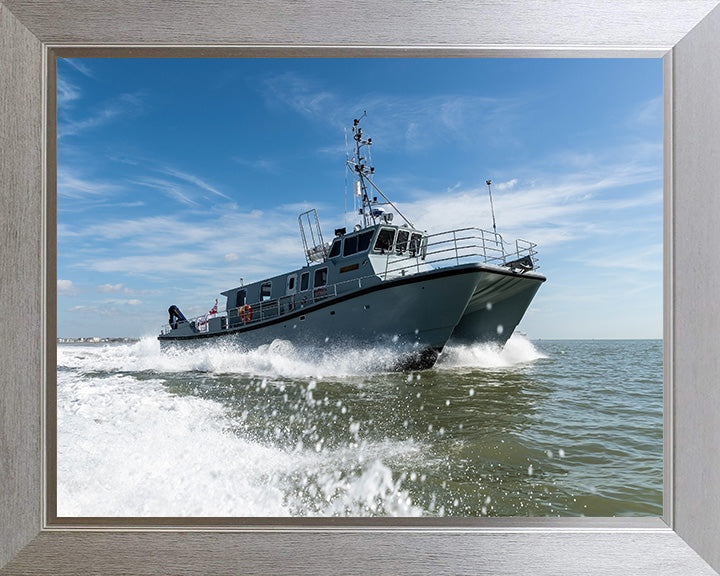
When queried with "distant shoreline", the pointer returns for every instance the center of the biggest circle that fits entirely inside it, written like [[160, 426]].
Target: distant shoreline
[[95, 339]]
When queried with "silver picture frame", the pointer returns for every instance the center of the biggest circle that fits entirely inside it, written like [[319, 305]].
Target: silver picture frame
[[685, 33]]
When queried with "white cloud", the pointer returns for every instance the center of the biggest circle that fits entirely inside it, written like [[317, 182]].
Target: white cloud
[[110, 288], [548, 214], [509, 185], [130, 302], [66, 288]]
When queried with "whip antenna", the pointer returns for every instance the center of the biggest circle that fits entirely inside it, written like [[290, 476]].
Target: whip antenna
[[492, 210]]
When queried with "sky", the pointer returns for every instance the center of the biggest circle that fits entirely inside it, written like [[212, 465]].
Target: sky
[[177, 178]]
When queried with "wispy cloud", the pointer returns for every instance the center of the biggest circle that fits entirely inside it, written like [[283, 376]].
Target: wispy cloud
[[549, 213], [260, 164], [81, 66], [650, 112], [192, 179], [72, 185], [186, 189], [415, 122], [123, 105], [169, 188], [66, 92], [193, 246]]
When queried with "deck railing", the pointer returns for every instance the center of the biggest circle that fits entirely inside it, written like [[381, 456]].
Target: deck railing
[[454, 247], [462, 246]]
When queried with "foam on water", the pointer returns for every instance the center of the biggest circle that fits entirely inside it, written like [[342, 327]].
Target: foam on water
[[517, 350], [278, 359], [127, 447]]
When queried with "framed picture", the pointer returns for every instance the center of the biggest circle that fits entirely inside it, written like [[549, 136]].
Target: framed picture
[[330, 382], [605, 545]]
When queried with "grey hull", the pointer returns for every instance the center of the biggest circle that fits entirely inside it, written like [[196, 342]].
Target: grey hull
[[496, 307], [412, 316]]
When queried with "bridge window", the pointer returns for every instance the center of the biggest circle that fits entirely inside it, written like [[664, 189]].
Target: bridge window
[[240, 298], [415, 240], [385, 240], [335, 250], [402, 241], [351, 244], [364, 240], [304, 281]]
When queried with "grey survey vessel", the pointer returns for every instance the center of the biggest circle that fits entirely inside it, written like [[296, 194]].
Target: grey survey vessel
[[381, 284]]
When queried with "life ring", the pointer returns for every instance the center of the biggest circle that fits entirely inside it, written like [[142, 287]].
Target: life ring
[[246, 313]]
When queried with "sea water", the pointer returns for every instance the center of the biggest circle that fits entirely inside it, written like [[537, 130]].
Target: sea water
[[542, 428]]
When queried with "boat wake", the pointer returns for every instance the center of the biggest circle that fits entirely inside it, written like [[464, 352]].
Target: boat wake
[[517, 350], [281, 358], [127, 446]]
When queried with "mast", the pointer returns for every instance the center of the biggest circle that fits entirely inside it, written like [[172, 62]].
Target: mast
[[370, 214], [362, 170]]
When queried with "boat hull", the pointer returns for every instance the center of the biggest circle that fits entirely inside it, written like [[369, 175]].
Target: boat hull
[[496, 307], [412, 317]]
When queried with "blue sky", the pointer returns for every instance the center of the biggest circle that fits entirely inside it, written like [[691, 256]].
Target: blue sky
[[179, 177]]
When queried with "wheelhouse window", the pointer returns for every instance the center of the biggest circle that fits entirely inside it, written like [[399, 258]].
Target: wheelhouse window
[[265, 291], [240, 298], [402, 241], [335, 249], [321, 275], [415, 242], [305, 280], [364, 240], [385, 240], [351, 245]]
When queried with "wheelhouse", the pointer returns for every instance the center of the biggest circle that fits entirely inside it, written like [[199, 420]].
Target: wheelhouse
[[380, 239]]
